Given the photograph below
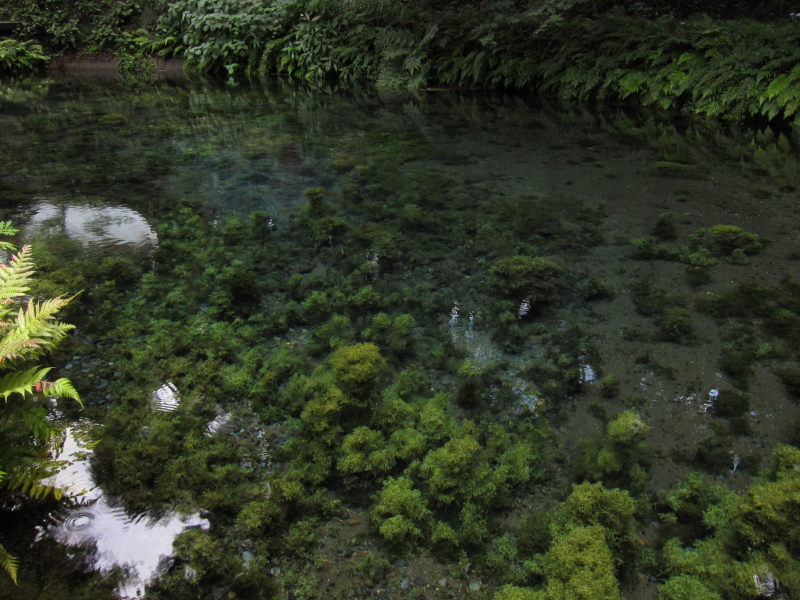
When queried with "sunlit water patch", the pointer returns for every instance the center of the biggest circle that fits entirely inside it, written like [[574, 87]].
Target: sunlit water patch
[[218, 423], [136, 544], [166, 398], [91, 224]]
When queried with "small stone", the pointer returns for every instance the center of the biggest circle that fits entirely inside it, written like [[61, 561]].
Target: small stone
[[247, 556], [474, 587], [275, 571], [443, 582], [405, 584], [419, 581]]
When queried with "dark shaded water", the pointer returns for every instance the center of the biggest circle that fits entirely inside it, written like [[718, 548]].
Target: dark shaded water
[[144, 200]]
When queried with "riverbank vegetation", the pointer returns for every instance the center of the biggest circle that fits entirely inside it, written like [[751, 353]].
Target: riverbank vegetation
[[672, 56]]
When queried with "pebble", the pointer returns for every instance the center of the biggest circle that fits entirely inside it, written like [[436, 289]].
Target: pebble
[[474, 587], [275, 571], [404, 585], [419, 581], [443, 582]]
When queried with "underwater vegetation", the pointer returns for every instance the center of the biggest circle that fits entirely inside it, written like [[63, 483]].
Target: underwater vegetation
[[363, 400], [534, 279]]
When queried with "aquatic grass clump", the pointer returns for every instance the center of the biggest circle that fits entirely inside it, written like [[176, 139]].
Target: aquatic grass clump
[[520, 278], [675, 325]]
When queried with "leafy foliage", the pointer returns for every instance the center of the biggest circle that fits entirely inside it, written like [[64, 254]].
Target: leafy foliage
[[93, 24], [19, 58], [29, 440], [220, 35]]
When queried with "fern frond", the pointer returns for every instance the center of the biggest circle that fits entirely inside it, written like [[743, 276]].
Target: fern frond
[[9, 563], [15, 276], [33, 329], [61, 388], [22, 382], [37, 424], [29, 482], [6, 228]]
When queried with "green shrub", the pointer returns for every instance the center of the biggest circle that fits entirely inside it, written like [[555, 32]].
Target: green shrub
[[21, 58]]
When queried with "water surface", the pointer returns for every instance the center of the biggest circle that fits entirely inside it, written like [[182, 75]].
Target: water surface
[[426, 193]]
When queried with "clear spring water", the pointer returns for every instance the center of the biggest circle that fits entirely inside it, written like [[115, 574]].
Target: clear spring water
[[475, 178]]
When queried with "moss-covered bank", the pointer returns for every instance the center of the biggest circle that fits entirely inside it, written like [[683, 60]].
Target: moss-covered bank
[[668, 55]]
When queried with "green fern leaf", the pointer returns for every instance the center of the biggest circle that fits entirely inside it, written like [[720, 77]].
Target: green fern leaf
[[15, 276], [9, 563], [61, 388], [6, 228], [22, 382]]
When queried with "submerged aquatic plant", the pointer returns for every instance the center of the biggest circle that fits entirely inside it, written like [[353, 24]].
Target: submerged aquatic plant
[[534, 279]]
